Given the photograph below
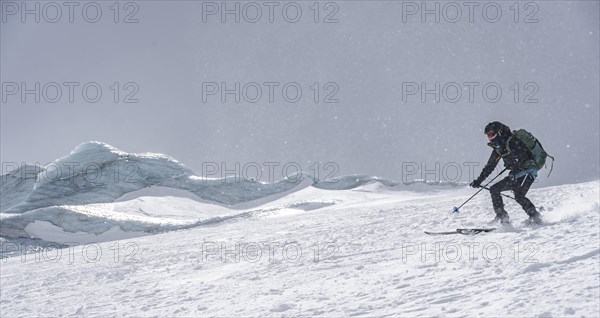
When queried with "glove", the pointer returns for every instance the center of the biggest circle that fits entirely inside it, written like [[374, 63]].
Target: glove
[[475, 184]]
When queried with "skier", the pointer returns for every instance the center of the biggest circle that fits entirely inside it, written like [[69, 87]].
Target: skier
[[523, 171]]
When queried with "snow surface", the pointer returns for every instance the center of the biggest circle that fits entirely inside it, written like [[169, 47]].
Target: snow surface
[[373, 259]]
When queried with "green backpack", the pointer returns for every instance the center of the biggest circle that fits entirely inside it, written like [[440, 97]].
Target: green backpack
[[535, 147]]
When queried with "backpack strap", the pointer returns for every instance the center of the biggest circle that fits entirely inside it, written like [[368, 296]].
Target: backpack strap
[[506, 147], [551, 166], [508, 144]]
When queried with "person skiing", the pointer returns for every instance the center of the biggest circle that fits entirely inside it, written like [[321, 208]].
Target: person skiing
[[523, 171]]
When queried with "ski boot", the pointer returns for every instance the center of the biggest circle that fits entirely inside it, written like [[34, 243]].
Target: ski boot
[[501, 216], [534, 217]]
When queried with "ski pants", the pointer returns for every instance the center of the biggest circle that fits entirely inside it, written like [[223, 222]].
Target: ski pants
[[519, 187]]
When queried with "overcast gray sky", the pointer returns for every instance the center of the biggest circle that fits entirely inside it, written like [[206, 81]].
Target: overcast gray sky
[[372, 57]]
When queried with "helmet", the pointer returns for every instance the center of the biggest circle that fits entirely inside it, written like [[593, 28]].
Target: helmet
[[496, 127]]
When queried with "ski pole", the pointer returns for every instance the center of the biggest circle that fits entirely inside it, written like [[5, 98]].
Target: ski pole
[[456, 210]]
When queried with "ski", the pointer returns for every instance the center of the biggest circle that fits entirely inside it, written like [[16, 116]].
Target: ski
[[461, 231]]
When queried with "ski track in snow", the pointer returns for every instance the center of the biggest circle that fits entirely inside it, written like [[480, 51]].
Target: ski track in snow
[[383, 265]]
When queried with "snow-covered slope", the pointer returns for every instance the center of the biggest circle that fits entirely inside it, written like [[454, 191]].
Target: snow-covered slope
[[74, 198], [315, 252]]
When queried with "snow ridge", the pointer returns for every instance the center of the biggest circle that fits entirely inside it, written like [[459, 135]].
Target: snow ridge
[[96, 172]]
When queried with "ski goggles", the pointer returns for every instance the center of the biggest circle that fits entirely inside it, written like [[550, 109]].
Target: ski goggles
[[491, 135]]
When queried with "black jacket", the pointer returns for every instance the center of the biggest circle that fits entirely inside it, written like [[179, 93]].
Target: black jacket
[[513, 152]]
